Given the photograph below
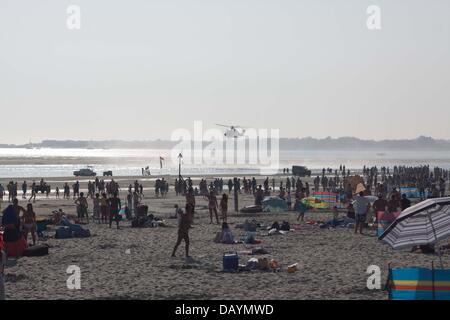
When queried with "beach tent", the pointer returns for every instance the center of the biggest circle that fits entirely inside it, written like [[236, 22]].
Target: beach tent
[[422, 224], [274, 204]]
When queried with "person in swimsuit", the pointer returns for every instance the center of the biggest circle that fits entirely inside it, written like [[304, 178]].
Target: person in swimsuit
[[183, 228], [96, 203], [82, 207], [29, 223], [114, 208], [224, 207], [104, 208], [212, 206]]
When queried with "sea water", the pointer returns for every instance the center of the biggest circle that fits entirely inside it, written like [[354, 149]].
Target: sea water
[[47, 162]]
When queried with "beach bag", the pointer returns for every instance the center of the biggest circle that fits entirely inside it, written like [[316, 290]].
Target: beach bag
[[275, 225], [81, 233], [285, 226], [36, 251], [63, 233], [263, 264], [252, 264], [142, 210], [292, 268], [259, 250]]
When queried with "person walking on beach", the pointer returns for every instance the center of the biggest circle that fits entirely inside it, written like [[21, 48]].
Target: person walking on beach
[[82, 207], [362, 205], [114, 208], [33, 192], [212, 206], [29, 223], [183, 228]]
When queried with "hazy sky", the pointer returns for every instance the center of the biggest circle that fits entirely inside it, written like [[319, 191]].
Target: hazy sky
[[138, 69]]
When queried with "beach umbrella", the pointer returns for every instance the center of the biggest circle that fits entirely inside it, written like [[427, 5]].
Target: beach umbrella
[[274, 204], [424, 223]]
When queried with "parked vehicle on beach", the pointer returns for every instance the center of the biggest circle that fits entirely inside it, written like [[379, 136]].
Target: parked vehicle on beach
[[107, 173], [86, 172], [42, 188], [301, 171]]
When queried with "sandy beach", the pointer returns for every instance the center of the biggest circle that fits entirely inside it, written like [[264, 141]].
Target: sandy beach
[[135, 263]]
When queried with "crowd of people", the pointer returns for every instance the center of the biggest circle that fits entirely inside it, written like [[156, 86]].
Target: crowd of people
[[102, 199]]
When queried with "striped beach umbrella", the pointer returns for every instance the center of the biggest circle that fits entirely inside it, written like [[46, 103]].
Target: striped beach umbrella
[[424, 223]]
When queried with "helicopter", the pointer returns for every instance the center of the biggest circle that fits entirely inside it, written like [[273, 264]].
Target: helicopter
[[233, 131]]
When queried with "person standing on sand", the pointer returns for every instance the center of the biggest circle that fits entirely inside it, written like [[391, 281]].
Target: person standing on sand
[[104, 208], [259, 196], [183, 228], [114, 208], [224, 207], [212, 206], [392, 204], [230, 185], [96, 203], [29, 223], [190, 199], [24, 190], [380, 205], [11, 223], [362, 205], [82, 207]]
